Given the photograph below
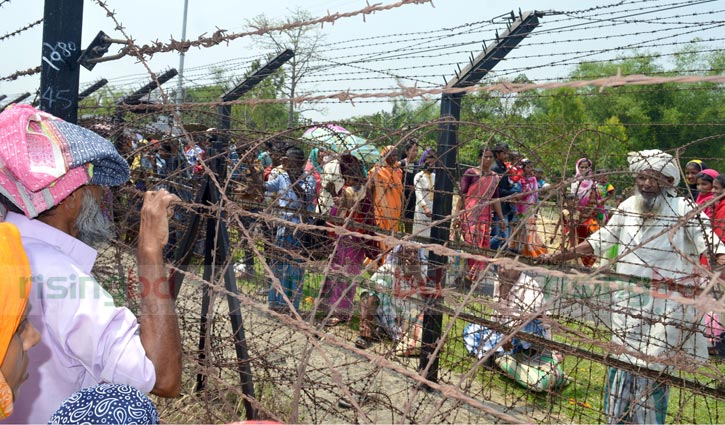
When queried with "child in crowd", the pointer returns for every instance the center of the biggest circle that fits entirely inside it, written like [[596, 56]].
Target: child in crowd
[[718, 218], [606, 189], [705, 180], [540, 178], [530, 243]]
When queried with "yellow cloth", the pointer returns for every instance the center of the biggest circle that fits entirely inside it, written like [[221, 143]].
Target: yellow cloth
[[15, 282]]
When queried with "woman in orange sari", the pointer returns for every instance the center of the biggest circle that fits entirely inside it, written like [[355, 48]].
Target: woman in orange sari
[[387, 189], [479, 199]]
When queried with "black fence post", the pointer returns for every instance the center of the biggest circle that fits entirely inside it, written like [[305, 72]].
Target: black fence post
[[217, 245], [60, 73], [448, 152]]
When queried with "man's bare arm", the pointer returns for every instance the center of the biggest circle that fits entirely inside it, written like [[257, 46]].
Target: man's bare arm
[[160, 334]]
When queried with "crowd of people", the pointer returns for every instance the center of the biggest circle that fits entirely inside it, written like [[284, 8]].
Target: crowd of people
[[71, 347], [497, 211]]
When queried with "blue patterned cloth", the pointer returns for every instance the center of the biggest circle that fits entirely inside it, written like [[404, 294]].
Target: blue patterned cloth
[[106, 404]]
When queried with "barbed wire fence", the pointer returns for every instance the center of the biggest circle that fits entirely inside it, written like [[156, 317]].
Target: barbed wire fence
[[308, 368], [303, 369]]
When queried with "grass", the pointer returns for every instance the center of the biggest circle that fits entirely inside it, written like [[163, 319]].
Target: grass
[[580, 401]]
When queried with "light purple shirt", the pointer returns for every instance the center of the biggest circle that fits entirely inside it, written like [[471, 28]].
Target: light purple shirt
[[85, 338]]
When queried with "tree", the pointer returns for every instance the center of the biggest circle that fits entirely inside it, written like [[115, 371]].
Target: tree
[[302, 39]]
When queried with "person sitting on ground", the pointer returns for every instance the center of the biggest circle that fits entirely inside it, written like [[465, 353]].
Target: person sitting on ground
[[106, 404], [388, 307], [55, 203]]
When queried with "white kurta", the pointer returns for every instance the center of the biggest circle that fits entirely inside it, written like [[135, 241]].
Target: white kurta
[[424, 186], [643, 325], [330, 174]]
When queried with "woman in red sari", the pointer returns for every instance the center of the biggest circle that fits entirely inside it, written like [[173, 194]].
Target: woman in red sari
[[479, 198]]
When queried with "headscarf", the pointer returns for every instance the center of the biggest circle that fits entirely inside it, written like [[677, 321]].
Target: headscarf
[[106, 404], [428, 152], [15, 283], [314, 159], [384, 153], [710, 172], [698, 163], [43, 159], [655, 159], [585, 185], [705, 197], [264, 159]]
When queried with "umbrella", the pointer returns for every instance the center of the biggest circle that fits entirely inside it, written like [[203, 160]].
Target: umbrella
[[329, 137], [338, 139], [363, 150]]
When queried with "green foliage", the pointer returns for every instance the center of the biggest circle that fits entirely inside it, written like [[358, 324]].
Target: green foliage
[[267, 117]]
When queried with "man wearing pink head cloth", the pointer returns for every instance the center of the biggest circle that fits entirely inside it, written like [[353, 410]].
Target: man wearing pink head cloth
[[52, 178]]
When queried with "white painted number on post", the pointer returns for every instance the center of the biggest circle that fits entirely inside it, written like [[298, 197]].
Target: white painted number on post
[[51, 96], [58, 53]]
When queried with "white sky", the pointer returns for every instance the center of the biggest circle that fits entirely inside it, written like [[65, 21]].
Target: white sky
[[150, 20]]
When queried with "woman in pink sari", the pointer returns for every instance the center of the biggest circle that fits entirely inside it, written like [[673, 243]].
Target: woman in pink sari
[[478, 197], [354, 205]]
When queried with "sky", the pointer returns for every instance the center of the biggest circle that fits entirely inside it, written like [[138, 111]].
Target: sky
[[380, 56]]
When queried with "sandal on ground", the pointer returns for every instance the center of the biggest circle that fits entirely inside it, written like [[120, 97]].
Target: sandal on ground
[[362, 343], [333, 321]]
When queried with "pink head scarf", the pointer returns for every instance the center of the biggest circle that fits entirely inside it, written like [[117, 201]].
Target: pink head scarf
[[585, 184]]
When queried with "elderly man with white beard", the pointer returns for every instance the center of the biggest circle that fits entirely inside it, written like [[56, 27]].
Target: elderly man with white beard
[[52, 180], [659, 245]]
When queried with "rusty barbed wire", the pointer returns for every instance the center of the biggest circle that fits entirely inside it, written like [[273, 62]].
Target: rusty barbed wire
[[221, 35], [20, 30], [502, 87], [15, 75]]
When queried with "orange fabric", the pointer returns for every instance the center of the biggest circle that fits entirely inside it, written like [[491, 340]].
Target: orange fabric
[[534, 245], [15, 284], [387, 196], [387, 189]]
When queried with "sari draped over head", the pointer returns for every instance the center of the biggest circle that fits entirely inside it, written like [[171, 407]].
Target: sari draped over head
[[314, 159], [478, 213], [387, 188], [582, 186], [476, 222], [705, 197], [386, 184]]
